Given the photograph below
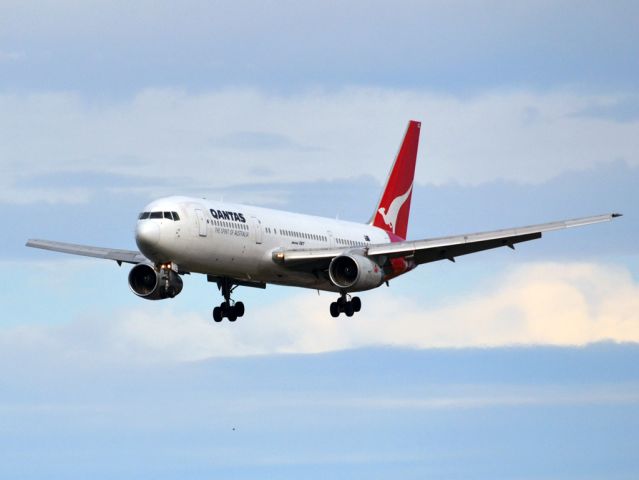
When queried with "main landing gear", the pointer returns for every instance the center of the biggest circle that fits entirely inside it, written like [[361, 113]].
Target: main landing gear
[[349, 307], [228, 308]]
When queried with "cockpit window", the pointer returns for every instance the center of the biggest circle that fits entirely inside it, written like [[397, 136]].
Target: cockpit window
[[168, 215]]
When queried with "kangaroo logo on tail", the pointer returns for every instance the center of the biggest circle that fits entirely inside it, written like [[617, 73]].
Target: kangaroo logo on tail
[[390, 216], [393, 208]]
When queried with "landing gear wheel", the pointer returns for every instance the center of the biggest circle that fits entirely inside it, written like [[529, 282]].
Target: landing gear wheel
[[335, 310], [348, 309], [357, 304], [228, 308]]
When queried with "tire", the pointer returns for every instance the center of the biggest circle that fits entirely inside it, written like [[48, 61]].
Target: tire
[[239, 309], [348, 309], [232, 314], [334, 310], [225, 308], [217, 314], [357, 304]]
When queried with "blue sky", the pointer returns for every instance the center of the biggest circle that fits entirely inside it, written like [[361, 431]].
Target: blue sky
[[475, 369]]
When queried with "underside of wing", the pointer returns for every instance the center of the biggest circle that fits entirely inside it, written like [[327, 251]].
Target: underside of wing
[[120, 256]]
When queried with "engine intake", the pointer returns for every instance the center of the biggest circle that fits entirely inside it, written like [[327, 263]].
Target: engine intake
[[147, 282], [355, 273]]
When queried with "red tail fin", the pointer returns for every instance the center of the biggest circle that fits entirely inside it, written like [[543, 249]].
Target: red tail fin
[[393, 209]]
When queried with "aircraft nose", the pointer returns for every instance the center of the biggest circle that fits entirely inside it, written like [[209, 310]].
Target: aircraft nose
[[147, 235]]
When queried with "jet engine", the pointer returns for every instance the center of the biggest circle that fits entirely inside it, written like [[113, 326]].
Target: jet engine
[[355, 273], [149, 283]]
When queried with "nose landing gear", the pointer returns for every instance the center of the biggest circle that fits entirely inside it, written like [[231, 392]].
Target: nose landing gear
[[228, 308], [349, 307]]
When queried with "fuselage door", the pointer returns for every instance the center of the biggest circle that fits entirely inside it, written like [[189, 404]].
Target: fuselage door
[[257, 229], [331, 240], [201, 222]]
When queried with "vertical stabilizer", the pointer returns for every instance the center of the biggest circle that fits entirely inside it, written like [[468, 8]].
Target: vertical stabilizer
[[393, 208]]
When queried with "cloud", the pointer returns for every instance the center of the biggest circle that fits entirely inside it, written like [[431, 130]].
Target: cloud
[[259, 141], [174, 136], [10, 56], [117, 46], [564, 304], [619, 110]]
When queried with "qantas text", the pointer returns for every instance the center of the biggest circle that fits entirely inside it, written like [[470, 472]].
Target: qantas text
[[225, 215]]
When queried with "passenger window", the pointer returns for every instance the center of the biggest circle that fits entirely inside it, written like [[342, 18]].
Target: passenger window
[[176, 217], [156, 215]]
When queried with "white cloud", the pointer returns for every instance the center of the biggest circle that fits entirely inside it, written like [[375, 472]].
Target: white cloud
[[519, 135], [539, 303]]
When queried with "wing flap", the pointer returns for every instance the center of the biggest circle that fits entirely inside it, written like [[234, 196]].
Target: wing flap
[[126, 256], [449, 252]]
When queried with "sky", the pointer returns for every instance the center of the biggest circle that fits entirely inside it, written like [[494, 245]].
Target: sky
[[504, 364]]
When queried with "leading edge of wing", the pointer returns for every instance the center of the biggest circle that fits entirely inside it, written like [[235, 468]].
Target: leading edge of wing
[[126, 256], [408, 247]]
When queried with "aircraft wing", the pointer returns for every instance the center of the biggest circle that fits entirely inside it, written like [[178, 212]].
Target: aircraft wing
[[442, 248], [120, 256]]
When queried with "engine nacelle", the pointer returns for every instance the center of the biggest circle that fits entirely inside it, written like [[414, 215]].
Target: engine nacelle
[[355, 273], [149, 283]]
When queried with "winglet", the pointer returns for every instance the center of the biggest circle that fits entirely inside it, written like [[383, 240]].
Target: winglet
[[393, 207]]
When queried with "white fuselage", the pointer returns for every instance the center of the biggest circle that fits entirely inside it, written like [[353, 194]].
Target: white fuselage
[[238, 241]]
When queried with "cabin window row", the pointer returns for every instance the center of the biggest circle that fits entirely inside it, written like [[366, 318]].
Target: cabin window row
[[307, 236], [168, 215], [352, 243], [226, 224]]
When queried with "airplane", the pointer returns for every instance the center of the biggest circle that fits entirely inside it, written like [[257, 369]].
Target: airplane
[[245, 246]]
